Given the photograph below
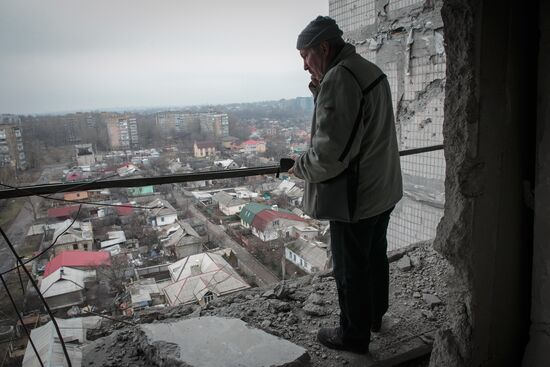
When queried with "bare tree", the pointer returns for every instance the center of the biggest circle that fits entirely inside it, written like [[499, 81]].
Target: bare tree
[[116, 273]]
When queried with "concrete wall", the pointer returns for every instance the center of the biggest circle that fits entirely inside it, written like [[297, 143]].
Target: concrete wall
[[405, 39], [538, 350], [486, 232]]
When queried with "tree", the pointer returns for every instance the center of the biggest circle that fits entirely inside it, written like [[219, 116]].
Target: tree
[[116, 273]]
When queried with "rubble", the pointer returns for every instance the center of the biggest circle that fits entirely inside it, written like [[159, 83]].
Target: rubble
[[295, 309]]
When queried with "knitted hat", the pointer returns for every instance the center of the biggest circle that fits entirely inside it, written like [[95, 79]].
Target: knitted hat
[[318, 30]]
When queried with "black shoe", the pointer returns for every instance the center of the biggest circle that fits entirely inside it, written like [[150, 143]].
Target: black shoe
[[331, 338], [376, 325]]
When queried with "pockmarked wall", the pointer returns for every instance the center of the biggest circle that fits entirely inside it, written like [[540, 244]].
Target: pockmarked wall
[[405, 39]]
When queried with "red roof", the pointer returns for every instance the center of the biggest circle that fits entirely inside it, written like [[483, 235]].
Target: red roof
[[62, 211], [124, 210], [74, 176], [253, 142], [263, 218], [78, 259]]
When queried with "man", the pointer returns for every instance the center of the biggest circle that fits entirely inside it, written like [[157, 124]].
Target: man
[[353, 177]]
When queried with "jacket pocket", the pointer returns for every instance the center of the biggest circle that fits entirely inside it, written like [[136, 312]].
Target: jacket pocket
[[337, 197]]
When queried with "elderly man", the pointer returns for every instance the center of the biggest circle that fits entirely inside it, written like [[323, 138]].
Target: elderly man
[[353, 177]]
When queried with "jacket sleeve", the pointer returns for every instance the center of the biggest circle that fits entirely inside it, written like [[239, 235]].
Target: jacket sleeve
[[336, 109]]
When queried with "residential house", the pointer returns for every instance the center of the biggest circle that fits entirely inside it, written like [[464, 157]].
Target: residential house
[[65, 287], [203, 149], [253, 146], [310, 256], [201, 278], [181, 240], [204, 197], [229, 204], [140, 191], [127, 169], [72, 196], [48, 345], [144, 293], [226, 164], [113, 242], [268, 223], [293, 193], [63, 212], [84, 155], [82, 260], [162, 213], [304, 232], [75, 235]]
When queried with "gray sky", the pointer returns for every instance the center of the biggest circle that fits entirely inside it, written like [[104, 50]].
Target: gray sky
[[68, 55]]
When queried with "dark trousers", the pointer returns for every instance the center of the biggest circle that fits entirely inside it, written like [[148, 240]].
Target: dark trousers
[[361, 270]]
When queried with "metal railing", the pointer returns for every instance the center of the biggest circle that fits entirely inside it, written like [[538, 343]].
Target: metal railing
[[160, 180]]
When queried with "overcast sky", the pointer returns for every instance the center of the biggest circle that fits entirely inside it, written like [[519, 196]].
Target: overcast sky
[[76, 55]]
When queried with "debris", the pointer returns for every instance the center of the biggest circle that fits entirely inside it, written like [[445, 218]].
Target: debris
[[404, 263]]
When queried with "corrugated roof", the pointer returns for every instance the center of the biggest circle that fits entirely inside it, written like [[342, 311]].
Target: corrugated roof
[[214, 274], [310, 251], [62, 211], [263, 218], [124, 210], [78, 259], [49, 348], [250, 210], [63, 280]]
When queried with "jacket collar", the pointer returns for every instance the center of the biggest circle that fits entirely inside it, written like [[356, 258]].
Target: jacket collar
[[344, 53]]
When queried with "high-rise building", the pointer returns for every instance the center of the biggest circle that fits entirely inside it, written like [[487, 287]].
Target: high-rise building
[[123, 132], [12, 149], [215, 124], [179, 122]]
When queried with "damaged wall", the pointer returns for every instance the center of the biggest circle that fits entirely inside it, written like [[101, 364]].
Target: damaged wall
[[486, 232], [405, 39]]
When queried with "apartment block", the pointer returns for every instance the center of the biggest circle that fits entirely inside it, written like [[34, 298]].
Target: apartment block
[[12, 149], [123, 132], [215, 124], [170, 122]]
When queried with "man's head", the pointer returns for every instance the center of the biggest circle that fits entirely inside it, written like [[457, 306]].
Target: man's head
[[318, 43]]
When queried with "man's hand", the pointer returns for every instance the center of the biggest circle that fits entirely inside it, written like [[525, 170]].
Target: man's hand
[[291, 170]]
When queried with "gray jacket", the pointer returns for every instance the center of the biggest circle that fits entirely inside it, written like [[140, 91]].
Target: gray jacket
[[352, 169]]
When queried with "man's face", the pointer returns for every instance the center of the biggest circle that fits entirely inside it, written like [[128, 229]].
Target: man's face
[[314, 62]]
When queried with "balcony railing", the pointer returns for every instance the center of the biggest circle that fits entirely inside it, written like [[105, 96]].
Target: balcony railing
[[160, 180]]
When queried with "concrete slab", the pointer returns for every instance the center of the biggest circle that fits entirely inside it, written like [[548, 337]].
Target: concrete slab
[[221, 342]]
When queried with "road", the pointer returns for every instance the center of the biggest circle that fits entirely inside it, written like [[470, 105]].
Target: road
[[18, 229], [248, 263]]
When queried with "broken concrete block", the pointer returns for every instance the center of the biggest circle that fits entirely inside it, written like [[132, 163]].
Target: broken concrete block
[[315, 310], [429, 315], [415, 261], [404, 263], [316, 299], [431, 300], [220, 342], [269, 294]]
